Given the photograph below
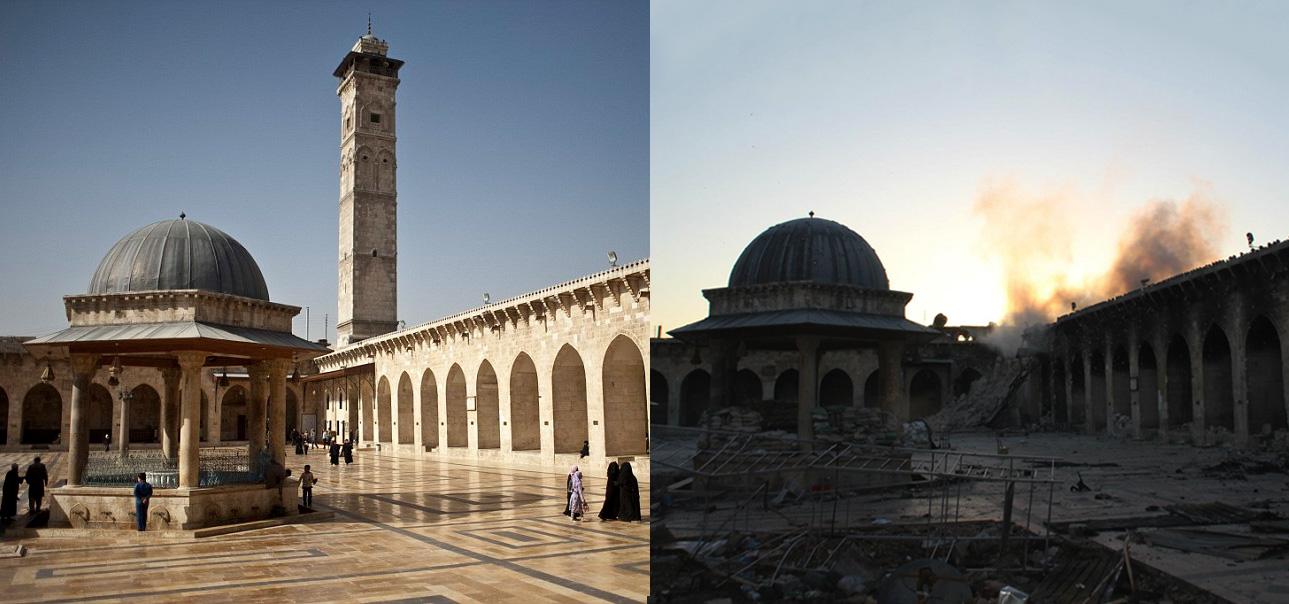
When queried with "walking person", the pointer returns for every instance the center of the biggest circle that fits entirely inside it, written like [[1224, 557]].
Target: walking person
[[609, 511], [335, 454], [107, 442], [348, 452], [629, 493], [37, 477], [142, 496], [576, 498], [9, 496], [306, 486]]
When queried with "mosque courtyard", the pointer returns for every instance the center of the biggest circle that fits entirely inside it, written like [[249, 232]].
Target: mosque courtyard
[[400, 529]]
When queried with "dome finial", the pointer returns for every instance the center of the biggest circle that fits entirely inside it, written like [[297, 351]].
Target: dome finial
[[182, 216], [812, 213], [369, 24]]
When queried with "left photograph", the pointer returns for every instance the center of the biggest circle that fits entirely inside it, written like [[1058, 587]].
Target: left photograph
[[306, 301]]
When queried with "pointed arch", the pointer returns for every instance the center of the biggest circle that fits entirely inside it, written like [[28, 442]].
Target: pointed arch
[[836, 388], [406, 415], [1119, 381], [872, 393], [1264, 378], [1219, 398], [1097, 392], [786, 386], [1148, 394], [429, 411], [695, 396], [924, 394], [1179, 395], [458, 429], [626, 410], [367, 409], [568, 389], [747, 388], [488, 404], [98, 413], [145, 414], [525, 414], [384, 412], [966, 378], [659, 395], [42, 415]]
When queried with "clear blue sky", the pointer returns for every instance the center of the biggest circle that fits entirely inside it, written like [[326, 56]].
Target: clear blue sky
[[895, 118], [523, 141]]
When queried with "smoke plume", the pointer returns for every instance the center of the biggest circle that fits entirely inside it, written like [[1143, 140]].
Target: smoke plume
[[1028, 235]]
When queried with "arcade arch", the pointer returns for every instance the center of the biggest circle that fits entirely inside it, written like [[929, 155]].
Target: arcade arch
[[525, 412], [626, 409]]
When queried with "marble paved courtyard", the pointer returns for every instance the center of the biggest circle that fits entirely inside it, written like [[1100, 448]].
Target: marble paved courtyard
[[404, 530]]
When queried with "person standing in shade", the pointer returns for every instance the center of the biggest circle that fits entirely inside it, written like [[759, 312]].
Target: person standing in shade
[[107, 442], [334, 449], [576, 498], [37, 477], [348, 452], [629, 493], [609, 511], [586, 448], [306, 486], [9, 497], [142, 496]]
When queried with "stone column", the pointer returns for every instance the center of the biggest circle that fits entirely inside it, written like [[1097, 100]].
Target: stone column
[[190, 364], [807, 385], [278, 369], [1161, 381], [78, 442], [123, 430], [1090, 425], [1195, 346], [1134, 381], [1110, 408], [170, 412], [255, 412], [1240, 379], [1068, 385], [890, 378], [724, 364]]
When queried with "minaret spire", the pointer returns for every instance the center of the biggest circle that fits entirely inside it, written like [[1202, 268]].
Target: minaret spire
[[369, 24]]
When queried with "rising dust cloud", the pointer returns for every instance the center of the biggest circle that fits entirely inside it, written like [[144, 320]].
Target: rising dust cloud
[[1028, 235]]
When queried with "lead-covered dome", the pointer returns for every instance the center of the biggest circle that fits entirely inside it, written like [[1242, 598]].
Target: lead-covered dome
[[179, 254], [809, 249]]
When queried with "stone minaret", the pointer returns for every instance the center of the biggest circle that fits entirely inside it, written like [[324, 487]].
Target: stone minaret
[[368, 289]]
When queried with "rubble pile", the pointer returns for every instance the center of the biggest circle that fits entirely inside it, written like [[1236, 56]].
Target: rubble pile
[[837, 423], [983, 402], [857, 425]]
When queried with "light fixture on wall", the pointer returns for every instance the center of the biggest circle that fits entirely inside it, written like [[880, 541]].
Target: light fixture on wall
[[47, 375], [487, 299], [114, 370], [613, 259], [223, 379]]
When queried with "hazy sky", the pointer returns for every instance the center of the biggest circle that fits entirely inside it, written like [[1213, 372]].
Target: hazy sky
[[523, 137], [895, 118]]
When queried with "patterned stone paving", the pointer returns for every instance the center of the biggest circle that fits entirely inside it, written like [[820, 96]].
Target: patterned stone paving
[[405, 530]]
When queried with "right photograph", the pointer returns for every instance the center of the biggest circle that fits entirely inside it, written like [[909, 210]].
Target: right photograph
[[969, 302]]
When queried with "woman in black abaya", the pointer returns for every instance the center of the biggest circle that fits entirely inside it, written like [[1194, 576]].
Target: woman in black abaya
[[629, 492], [610, 509]]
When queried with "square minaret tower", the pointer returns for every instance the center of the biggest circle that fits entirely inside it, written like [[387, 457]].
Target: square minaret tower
[[368, 288]]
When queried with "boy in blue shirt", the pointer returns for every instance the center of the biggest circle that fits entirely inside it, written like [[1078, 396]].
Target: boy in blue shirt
[[142, 494]]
